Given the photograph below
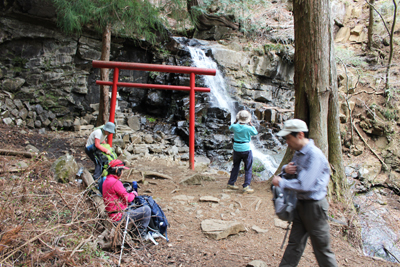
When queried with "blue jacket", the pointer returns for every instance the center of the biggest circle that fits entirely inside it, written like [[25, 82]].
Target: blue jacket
[[242, 133]]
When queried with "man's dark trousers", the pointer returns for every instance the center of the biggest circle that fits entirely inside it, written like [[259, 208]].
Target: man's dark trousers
[[247, 157], [311, 219]]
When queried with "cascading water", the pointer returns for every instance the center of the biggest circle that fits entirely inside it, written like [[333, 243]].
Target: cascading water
[[221, 99]]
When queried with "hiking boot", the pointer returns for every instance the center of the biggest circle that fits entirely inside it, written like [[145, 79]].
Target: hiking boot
[[233, 187], [248, 190]]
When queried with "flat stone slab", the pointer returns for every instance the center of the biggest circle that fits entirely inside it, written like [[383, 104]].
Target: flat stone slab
[[183, 198], [257, 263], [209, 199], [218, 229], [258, 229], [281, 224]]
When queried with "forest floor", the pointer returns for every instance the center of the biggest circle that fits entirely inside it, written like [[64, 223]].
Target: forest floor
[[47, 223]]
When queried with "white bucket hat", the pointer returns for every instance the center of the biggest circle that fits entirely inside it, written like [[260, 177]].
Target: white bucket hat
[[293, 126], [109, 127], [243, 116]]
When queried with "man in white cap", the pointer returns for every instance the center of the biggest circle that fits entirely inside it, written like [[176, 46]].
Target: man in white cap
[[97, 137], [308, 174], [241, 150]]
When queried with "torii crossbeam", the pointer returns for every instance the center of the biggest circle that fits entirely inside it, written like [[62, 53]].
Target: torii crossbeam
[[160, 68]]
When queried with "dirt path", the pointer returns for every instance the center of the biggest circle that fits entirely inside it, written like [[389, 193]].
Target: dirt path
[[188, 246]]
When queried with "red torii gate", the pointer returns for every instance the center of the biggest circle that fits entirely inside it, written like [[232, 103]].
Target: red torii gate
[[160, 68]]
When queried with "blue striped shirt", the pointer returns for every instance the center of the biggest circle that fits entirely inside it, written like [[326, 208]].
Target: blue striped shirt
[[312, 173], [242, 133]]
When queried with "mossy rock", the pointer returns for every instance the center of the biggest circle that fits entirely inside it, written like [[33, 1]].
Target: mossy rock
[[64, 169]]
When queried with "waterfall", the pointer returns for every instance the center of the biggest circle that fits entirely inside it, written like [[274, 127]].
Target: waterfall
[[220, 98]]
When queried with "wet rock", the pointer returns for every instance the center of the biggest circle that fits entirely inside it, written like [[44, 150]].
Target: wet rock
[[218, 229]]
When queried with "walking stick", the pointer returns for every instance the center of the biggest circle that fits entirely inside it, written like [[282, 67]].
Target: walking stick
[[123, 239], [287, 230]]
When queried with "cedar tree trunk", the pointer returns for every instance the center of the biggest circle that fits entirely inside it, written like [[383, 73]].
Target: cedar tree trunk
[[104, 76]]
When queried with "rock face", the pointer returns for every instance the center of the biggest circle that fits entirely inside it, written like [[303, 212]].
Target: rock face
[[218, 229], [50, 84]]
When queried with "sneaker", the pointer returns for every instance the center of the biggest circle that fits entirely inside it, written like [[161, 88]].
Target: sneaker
[[233, 187], [248, 190]]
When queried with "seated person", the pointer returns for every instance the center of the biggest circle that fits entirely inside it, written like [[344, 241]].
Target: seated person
[[116, 199]]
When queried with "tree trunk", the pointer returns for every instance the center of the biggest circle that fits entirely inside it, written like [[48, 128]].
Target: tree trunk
[[335, 156], [371, 24], [204, 21], [316, 99], [104, 76], [387, 85]]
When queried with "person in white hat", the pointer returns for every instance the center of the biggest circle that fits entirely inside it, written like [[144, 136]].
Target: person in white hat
[[308, 174], [97, 137], [241, 150]]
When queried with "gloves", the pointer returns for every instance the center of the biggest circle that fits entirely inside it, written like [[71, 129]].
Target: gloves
[[135, 193]]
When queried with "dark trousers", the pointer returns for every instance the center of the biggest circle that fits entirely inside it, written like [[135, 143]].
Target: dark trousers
[[247, 157], [311, 220], [98, 167]]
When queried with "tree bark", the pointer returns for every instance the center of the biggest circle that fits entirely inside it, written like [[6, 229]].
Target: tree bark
[[104, 76], [204, 21], [387, 85], [316, 96], [371, 24]]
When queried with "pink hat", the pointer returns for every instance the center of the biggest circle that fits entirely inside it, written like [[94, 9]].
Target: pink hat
[[116, 163]]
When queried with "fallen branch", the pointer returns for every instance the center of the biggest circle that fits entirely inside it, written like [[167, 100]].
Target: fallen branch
[[373, 151], [9, 236], [390, 253], [369, 93], [258, 204], [45, 232], [66, 203], [79, 245], [17, 153]]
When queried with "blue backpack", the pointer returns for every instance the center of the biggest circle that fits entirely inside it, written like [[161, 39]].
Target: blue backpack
[[158, 221]]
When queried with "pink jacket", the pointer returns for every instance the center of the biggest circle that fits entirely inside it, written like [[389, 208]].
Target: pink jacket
[[115, 197]]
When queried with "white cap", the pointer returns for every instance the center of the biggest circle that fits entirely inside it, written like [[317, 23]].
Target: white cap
[[243, 116], [293, 126]]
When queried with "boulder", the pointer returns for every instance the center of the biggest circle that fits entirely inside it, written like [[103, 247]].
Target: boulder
[[196, 179], [13, 85], [201, 163], [64, 169], [134, 123], [218, 229], [342, 35]]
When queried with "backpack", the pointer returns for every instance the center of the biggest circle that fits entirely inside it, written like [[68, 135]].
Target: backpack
[[158, 221], [104, 158], [285, 206], [284, 203]]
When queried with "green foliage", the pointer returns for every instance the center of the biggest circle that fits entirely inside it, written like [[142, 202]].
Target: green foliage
[[390, 114], [150, 119], [138, 19], [243, 12], [258, 166], [349, 58]]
